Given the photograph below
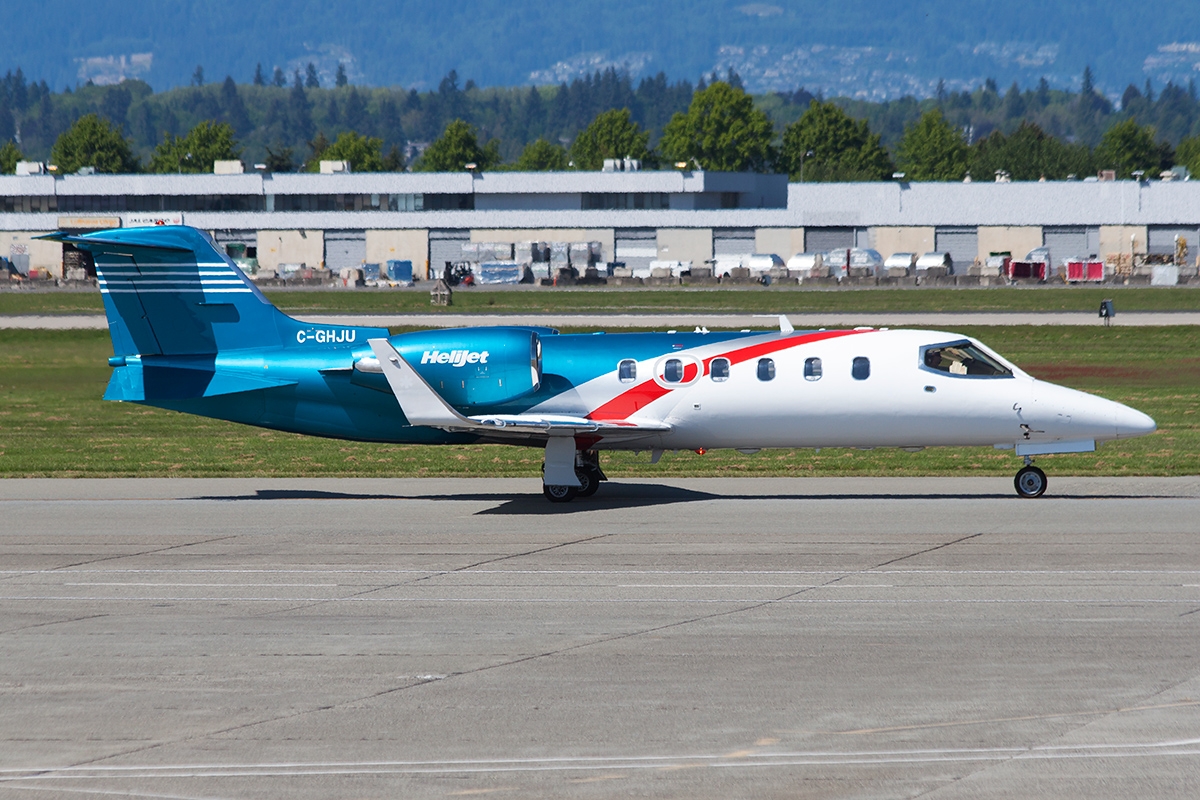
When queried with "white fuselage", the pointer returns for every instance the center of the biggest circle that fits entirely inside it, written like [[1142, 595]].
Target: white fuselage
[[896, 400]]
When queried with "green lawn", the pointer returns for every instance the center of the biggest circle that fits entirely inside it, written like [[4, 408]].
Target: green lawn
[[53, 423], [747, 299]]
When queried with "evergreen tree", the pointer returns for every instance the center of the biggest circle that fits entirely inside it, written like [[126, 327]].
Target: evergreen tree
[[340, 79], [354, 113], [933, 150], [278, 79], [394, 160], [722, 130], [93, 142], [10, 154], [613, 134], [311, 81], [316, 151], [280, 159], [18, 90], [233, 110], [333, 115], [299, 112], [842, 149], [1043, 92], [533, 114], [198, 76], [259, 79], [1129, 96], [389, 122], [1014, 103], [7, 123]]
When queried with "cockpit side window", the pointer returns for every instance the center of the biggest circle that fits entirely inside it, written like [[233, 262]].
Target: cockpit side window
[[962, 358], [627, 371]]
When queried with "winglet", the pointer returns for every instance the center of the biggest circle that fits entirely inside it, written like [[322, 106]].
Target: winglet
[[785, 324], [419, 402]]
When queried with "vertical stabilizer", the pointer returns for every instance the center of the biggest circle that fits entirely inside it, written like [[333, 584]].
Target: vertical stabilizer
[[169, 290]]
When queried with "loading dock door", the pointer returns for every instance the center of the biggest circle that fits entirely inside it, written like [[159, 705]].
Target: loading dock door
[[637, 247], [1161, 239], [822, 240], [345, 249], [733, 242], [961, 243], [1066, 242], [445, 245]]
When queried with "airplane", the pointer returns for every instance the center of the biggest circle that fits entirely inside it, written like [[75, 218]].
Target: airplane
[[192, 333]]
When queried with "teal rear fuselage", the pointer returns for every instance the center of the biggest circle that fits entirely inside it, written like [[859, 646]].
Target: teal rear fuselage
[[322, 394]]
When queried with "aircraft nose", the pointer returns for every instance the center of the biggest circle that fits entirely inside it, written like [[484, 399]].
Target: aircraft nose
[[1131, 422]]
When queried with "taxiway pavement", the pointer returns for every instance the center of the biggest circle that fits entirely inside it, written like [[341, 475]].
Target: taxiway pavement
[[694, 638], [682, 320]]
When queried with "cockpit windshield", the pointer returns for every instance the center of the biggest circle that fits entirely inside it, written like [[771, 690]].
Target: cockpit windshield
[[963, 358]]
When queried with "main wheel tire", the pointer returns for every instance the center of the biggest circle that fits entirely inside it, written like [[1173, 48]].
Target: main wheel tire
[[589, 481], [1030, 482], [559, 494]]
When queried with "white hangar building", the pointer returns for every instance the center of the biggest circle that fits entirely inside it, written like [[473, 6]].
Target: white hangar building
[[345, 219]]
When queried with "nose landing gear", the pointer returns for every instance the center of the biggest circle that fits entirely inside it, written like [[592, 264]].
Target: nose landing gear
[[1030, 481]]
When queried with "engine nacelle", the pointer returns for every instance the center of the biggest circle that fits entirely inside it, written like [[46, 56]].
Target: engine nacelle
[[475, 366]]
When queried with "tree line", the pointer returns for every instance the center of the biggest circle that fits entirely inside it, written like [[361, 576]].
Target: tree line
[[293, 123]]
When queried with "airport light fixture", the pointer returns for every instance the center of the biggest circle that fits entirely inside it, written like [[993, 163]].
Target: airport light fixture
[[804, 155]]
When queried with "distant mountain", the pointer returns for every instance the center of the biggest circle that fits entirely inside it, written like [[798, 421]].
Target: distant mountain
[[869, 49]]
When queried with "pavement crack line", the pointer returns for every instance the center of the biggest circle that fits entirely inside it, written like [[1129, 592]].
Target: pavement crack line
[[524, 659], [152, 552], [927, 550], [1088, 719], [52, 622], [439, 574]]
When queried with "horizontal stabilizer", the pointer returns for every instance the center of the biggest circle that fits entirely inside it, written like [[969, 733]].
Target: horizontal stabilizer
[[423, 406], [125, 241], [136, 381]]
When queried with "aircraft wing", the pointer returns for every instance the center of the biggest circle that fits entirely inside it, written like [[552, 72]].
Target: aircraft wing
[[423, 406]]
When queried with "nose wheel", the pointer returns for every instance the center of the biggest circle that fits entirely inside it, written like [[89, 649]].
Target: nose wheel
[[1030, 481]]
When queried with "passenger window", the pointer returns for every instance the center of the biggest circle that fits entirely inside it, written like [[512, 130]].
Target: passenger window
[[719, 369], [861, 368], [673, 370], [812, 369], [766, 369], [627, 371], [963, 358]]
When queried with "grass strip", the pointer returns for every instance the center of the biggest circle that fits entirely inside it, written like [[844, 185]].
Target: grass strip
[[753, 299]]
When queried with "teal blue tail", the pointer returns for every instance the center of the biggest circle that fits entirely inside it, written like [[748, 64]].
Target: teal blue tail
[[184, 319], [169, 291]]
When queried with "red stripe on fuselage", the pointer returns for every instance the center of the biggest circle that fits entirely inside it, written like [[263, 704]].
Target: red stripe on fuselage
[[631, 401]]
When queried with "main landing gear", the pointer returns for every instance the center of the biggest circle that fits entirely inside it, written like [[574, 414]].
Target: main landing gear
[[587, 473], [1030, 481]]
